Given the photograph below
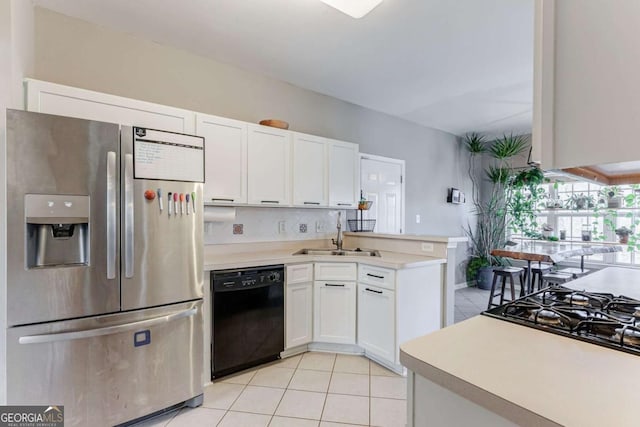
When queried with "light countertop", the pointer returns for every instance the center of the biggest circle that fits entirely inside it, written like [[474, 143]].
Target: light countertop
[[394, 260], [534, 377], [420, 237]]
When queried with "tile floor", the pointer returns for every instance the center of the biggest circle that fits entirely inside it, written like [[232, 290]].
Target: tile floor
[[309, 390], [470, 302]]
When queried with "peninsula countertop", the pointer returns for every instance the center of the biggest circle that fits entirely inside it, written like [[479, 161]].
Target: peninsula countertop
[[394, 260], [533, 377]]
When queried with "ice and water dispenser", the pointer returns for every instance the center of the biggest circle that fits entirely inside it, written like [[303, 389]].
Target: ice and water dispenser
[[57, 230]]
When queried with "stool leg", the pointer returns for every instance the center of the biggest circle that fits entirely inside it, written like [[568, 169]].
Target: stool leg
[[524, 290], [493, 290], [502, 289], [513, 287]]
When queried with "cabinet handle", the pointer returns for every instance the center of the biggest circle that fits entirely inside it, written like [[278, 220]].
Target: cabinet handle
[[373, 290], [344, 204], [221, 200], [312, 203], [335, 285], [375, 275], [269, 201]]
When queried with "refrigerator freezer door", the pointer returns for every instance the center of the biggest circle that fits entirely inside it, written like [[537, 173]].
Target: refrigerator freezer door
[[109, 369], [161, 253], [58, 170]]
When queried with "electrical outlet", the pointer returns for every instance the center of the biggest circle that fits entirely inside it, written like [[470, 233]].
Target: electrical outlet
[[427, 247], [418, 219], [302, 228], [319, 227], [282, 227], [238, 228]]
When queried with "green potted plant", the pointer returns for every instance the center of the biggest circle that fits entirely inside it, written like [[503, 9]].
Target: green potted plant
[[580, 201], [623, 234], [491, 209]]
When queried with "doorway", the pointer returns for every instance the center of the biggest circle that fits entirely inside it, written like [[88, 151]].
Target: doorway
[[382, 182]]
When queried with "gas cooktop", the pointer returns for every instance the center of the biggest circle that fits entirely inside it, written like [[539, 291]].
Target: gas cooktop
[[599, 318]]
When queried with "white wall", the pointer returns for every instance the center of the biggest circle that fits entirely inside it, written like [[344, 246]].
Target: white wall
[[77, 53]]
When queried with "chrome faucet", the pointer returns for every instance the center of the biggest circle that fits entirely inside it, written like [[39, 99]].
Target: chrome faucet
[[338, 240]]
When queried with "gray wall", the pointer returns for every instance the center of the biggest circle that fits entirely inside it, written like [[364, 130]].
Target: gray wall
[[76, 53]]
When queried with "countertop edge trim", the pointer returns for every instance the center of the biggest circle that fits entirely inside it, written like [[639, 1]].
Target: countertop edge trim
[[504, 408]]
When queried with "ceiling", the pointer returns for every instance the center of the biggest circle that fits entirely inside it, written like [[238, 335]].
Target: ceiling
[[454, 65]]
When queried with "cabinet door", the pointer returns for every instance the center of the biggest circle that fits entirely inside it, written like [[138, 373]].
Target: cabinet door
[[268, 166], [299, 317], [343, 174], [51, 98], [376, 321], [334, 312], [225, 159], [310, 168]]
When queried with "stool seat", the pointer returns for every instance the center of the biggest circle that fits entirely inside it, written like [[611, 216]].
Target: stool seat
[[536, 277], [556, 278], [505, 273], [575, 272]]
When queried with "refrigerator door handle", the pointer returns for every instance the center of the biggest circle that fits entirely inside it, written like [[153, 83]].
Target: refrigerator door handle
[[108, 330], [111, 215], [128, 216]]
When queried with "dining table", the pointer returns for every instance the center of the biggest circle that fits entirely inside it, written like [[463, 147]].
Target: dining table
[[532, 250]]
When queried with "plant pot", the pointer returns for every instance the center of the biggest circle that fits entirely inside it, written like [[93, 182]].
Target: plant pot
[[614, 202], [624, 239], [485, 277]]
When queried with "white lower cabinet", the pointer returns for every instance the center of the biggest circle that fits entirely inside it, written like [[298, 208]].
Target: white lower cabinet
[[299, 305], [376, 321], [334, 312]]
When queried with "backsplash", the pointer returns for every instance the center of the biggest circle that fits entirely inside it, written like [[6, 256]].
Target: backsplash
[[274, 224]]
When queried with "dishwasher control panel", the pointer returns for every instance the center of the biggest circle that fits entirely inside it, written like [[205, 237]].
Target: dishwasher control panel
[[247, 277]]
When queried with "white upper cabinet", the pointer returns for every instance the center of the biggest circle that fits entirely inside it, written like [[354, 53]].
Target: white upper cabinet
[[310, 169], [343, 174], [586, 85], [225, 159], [51, 98], [269, 156]]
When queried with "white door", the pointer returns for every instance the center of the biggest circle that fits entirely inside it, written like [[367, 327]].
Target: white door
[[343, 174], [381, 181], [334, 312], [268, 166], [225, 153], [376, 321], [310, 167]]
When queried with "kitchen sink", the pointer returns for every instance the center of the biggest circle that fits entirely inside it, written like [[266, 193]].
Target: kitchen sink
[[344, 252]]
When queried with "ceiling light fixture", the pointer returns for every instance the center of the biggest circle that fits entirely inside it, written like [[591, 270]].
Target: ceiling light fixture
[[354, 8]]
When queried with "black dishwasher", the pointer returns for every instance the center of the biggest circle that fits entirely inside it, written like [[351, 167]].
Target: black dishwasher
[[248, 318]]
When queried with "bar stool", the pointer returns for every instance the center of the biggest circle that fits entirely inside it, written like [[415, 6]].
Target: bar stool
[[555, 279], [575, 272], [536, 277], [504, 273]]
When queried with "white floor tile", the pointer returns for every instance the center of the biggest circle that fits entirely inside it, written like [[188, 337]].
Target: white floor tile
[[301, 404], [351, 364], [273, 376], [330, 424], [343, 383], [292, 422], [317, 361], [346, 409], [158, 421], [389, 387], [388, 412], [308, 380], [380, 370], [197, 417], [259, 400], [221, 395], [243, 419], [290, 362], [240, 378]]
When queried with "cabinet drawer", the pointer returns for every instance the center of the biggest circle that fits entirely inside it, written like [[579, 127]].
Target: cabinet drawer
[[377, 276], [335, 271], [299, 273]]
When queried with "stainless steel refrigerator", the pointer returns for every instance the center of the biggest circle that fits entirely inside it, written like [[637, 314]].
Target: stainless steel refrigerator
[[104, 268]]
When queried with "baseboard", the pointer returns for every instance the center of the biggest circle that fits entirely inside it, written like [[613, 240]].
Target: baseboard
[[464, 285], [336, 348]]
